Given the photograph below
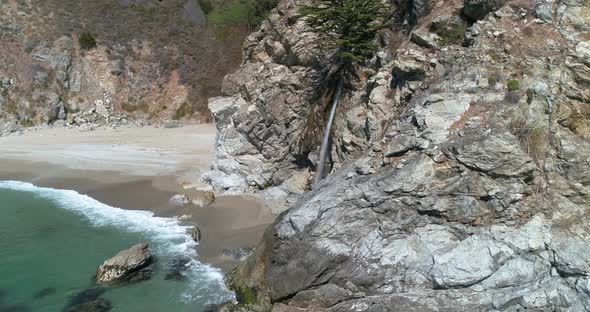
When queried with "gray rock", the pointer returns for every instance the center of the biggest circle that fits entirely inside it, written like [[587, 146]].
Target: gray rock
[[128, 265], [466, 264], [399, 145], [410, 67], [40, 77], [497, 155], [179, 199], [425, 38], [543, 10], [62, 113], [471, 37]]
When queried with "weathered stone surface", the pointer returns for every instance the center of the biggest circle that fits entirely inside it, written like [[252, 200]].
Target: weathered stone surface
[[470, 262], [128, 265], [400, 144], [203, 199], [497, 155], [425, 38], [543, 10]]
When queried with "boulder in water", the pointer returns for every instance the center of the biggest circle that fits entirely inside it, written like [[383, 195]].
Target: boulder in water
[[128, 265], [195, 233]]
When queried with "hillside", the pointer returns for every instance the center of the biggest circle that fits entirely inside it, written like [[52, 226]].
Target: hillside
[[155, 60]]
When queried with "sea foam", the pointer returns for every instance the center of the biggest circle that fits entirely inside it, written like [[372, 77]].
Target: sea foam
[[167, 236]]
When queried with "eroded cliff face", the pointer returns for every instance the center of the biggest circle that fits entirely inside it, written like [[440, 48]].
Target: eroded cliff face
[[460, 177], [155, 61]]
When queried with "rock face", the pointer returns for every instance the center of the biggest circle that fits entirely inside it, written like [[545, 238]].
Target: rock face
[[128, 265], [447, 192]]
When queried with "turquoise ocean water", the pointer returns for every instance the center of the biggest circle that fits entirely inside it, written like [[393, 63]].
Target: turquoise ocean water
[[52, 241]]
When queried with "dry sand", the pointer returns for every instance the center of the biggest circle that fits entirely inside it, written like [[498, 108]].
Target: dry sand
[[137, 168]]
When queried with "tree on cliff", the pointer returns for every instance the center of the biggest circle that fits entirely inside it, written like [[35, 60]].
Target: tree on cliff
[[348, 28]]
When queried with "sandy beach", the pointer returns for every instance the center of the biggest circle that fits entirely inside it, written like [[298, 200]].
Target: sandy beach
[[138, 168]]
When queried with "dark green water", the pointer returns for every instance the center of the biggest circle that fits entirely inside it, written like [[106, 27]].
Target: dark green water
[[52, 241]]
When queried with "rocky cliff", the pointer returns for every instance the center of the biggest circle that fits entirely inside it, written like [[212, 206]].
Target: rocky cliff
[[460, 172], [155, 60]]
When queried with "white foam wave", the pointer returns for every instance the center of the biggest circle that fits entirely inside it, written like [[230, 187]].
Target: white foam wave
[[167, 236]]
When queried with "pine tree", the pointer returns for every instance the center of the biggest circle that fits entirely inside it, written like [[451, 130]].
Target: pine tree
[[348, 26]]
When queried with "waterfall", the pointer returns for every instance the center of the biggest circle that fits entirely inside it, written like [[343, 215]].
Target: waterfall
[[324, 149]]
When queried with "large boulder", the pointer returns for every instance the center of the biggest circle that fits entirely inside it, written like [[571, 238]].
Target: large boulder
[[128, 265]]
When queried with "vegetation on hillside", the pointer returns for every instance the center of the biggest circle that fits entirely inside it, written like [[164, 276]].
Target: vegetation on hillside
[[87, 41], [249, 12], [348, 26]]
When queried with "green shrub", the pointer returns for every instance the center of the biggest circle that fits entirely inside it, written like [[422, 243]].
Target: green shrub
[[450, 33], [87, 41], [513, 85], [251, 12], [206, 6]]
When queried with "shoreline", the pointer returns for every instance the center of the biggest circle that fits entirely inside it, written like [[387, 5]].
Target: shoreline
[[231, 222]]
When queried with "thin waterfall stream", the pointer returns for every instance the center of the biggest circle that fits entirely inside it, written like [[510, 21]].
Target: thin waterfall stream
[[324, 149]]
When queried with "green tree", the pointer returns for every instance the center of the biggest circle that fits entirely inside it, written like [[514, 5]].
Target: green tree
[[348, 26]]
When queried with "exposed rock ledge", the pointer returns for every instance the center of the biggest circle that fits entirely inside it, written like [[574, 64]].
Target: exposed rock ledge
[[128, 265]]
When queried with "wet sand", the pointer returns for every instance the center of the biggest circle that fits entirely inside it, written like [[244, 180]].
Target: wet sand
[[231, 222]]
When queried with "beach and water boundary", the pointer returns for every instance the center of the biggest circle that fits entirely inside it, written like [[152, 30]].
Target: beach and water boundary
[[120, 169]]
